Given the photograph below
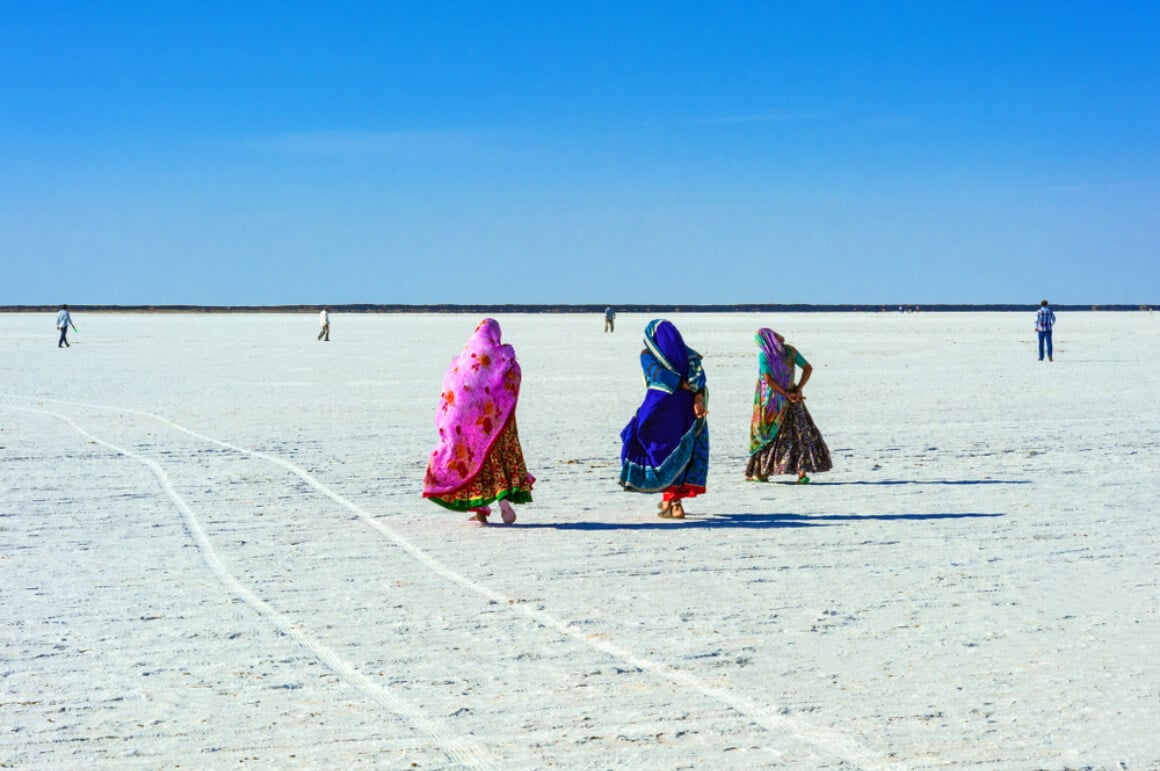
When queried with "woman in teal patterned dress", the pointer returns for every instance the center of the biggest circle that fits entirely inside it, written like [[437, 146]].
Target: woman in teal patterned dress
[[782, 436]]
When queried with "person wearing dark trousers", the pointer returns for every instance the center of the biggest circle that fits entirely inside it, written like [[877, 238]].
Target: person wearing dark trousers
[[63, 322], [1044, 321]]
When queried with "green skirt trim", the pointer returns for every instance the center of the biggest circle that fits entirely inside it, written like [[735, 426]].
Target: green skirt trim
[[515, 495]]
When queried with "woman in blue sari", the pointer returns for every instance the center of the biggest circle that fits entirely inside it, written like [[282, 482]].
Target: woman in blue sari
[[666, 444]]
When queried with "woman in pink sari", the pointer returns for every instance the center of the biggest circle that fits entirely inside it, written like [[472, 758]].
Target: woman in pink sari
[[478, 459]]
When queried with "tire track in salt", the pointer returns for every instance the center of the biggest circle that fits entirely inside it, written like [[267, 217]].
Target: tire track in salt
[[828, 741], [467, 753]]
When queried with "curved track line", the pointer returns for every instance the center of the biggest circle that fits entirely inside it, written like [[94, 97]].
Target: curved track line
[[463, 751], [830, 742]]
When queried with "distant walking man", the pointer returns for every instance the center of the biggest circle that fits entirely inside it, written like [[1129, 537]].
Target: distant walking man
[[324, 320], [1044, 321], [63, 322], [609, 319]]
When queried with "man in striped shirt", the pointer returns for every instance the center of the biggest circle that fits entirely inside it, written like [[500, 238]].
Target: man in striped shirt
[[1044, 321]]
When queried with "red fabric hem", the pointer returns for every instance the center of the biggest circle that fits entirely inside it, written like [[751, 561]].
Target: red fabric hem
[[677, 492]]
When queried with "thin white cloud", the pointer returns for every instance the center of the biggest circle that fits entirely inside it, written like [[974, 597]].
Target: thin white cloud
[[767, 116], [889, 123], [1140, 185], [399, 145]]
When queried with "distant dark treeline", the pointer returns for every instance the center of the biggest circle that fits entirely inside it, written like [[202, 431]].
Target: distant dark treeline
[[387, 308]]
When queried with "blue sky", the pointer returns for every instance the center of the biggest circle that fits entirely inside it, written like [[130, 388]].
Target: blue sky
[[610, 152]]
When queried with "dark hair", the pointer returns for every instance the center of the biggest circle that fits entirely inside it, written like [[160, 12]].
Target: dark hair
[[1043, 303], [64, 307]]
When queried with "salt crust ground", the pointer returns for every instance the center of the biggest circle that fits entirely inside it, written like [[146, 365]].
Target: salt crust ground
[[213, 553]]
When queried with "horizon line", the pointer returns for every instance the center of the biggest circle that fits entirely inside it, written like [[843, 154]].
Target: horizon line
[[578, 307]]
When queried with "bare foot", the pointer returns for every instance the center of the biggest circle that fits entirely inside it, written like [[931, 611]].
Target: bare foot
[[678, 511], [507, 512], [666, 510]]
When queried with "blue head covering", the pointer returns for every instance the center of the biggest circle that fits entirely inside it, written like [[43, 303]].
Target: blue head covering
[[663, 340]]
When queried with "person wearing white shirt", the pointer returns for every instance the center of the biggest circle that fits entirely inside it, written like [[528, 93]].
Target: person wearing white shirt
[[63, 322], [324, 320]]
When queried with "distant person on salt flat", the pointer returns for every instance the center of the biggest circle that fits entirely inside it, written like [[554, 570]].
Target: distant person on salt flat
[[782, 436], [63, 322], [666, 444], [478, 459], [609, 319], [1044, 321], [324, 320]]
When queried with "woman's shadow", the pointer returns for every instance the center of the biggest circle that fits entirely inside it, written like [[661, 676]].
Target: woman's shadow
[[919, 482], [751, 521]]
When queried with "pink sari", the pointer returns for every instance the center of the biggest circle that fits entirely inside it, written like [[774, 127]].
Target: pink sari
[[480, 391]]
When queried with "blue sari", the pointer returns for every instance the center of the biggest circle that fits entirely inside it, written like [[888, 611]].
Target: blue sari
[[666, 447]]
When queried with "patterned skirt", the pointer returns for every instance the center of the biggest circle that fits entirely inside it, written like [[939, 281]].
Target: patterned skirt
[[503, 475], [798, 447]]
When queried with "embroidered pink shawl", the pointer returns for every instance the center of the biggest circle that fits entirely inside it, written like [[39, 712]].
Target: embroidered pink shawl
[[480, 391]]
